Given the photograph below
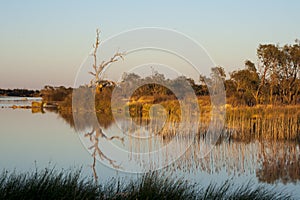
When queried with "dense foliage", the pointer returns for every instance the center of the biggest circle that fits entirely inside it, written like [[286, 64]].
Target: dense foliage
[[19, 92]]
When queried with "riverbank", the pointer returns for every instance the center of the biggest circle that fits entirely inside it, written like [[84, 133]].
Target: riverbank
[[244, 123]]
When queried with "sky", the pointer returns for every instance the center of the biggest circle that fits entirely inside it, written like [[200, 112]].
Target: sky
[[45, 42]]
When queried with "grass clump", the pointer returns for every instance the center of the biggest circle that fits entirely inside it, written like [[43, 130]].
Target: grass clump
[[51, 184], [46, 184], [153, 185]]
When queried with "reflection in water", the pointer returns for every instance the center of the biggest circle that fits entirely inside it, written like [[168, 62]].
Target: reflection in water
[[85, 122], [94, 137], [271, 160], [280, 162], [264, 123]]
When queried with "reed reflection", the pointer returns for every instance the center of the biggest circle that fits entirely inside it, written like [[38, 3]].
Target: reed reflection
[[271, 160]]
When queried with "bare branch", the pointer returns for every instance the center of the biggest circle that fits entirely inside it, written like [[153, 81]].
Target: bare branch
[[98, 69], [92, 73]]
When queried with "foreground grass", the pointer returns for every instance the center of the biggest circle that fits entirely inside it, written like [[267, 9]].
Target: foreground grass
[[51, 184], [46, 184]]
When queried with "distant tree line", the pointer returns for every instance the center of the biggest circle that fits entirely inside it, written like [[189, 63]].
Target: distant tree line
[[274, 80], [19, 92], [158, 86]]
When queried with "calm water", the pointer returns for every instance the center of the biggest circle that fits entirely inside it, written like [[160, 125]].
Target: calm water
[[6, 102], [28, 138]]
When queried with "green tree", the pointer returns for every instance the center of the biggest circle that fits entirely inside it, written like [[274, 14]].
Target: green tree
[[280, 71], [268, 55], [245, 83], [290, 73]]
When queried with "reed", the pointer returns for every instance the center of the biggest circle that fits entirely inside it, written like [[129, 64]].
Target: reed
[[264, 123]]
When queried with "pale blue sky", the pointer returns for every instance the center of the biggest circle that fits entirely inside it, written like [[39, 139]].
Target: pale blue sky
[[44, 42]]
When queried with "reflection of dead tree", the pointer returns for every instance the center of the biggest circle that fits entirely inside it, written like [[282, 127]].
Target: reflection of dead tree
[[94, 136], [98, 69]]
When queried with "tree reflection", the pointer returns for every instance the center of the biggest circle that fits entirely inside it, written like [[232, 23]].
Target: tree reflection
[[94, 136], [280, 162], [271, 160]]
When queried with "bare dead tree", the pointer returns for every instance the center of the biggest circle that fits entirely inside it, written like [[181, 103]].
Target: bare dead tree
[[99, 69]]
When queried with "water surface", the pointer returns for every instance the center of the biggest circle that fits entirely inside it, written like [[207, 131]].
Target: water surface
[[35, 139]]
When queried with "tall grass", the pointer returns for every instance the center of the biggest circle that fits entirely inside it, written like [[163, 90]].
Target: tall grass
[[46, 184], [51, 184]]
